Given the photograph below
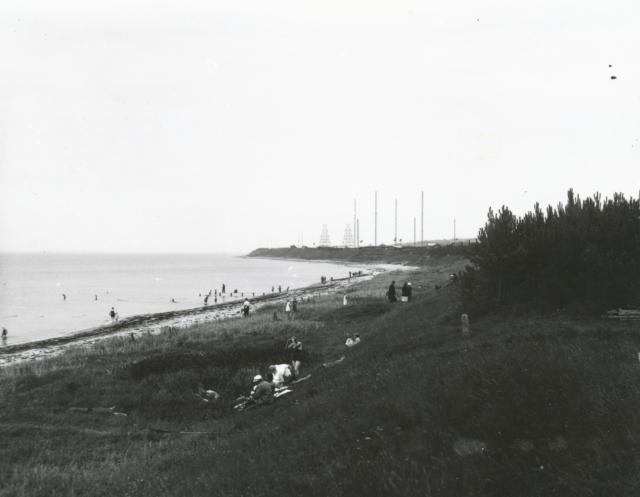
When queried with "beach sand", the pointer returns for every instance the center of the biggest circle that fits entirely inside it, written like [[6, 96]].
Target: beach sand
[[175, 320]]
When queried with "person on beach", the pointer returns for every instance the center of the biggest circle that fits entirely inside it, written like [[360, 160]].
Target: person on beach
[[5, 333], [279, 288], [64, 296], [112, 315], [273, 289], [294, 348], [287, 309], [95, 297], [391, 292], [223, 288], [246, 306], [206, 299]]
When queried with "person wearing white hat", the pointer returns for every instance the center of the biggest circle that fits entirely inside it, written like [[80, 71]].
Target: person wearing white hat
[[262, 392]]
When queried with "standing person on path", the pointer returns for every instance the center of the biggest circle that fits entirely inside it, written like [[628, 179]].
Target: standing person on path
[[294, 348], [4, 334], [405, 292], [391, 292], [246, 306], [287, 309], [112, 315], [223, 288]]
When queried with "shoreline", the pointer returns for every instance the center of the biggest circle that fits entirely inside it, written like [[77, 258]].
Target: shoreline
[[180, 319]]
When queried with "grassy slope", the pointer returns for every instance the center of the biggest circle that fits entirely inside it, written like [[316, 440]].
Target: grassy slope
[[525, 407]]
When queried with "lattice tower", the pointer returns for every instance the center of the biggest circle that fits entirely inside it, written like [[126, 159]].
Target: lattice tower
[[324, 237], [347, 239]]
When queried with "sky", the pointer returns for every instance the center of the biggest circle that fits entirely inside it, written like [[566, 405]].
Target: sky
[[204, 126]]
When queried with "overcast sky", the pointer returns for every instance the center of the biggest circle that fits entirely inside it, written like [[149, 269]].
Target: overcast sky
[[132, 125]]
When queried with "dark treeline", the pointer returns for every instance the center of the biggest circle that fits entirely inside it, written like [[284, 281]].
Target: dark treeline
[[586, 252]]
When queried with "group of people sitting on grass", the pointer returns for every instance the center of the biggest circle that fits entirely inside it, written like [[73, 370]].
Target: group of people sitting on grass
[[352, 340], [277, 380]]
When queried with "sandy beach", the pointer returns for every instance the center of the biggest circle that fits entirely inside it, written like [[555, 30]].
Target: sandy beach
[[175, 320]]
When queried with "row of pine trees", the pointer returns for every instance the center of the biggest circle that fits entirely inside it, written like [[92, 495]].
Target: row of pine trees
[[585, 252]]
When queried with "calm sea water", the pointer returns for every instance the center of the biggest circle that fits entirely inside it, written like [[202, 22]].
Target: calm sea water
[[32, 306]]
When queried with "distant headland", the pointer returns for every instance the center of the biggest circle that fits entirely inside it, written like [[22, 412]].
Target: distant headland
[[386, 254]]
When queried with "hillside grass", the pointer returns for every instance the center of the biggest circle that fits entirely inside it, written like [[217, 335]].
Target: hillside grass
[[529, 405]]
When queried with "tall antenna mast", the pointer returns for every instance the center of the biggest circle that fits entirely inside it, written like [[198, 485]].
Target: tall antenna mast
[[395, 229], [454, 229], [355, 229], [414, 231], [375, 226], [358, 231], [422, 218]]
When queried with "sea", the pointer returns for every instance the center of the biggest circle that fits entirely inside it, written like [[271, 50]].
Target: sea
[[49, 295]]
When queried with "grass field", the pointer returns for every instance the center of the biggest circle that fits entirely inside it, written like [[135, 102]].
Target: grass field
[[528, 405]]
